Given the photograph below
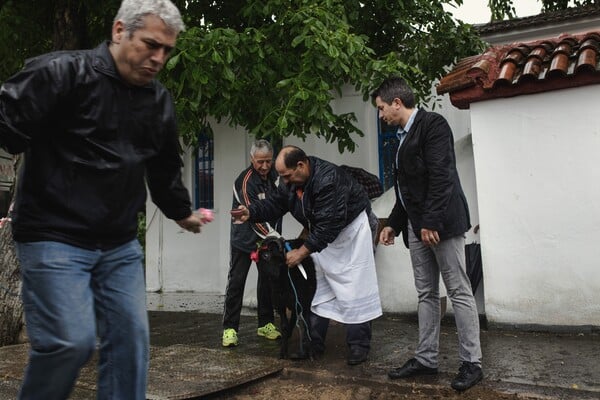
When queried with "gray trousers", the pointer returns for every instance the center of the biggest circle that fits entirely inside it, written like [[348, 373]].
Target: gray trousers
[[447, 258]]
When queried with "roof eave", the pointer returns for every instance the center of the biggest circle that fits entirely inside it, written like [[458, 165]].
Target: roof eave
[[462, 99]]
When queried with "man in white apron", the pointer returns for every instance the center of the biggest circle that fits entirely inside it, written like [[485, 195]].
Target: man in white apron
[[335, 210]]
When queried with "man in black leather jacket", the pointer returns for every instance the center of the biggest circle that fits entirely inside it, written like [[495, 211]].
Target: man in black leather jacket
[[334, 209], [95, 126]]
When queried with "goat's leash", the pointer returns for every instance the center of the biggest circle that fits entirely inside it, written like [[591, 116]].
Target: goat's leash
[[299, 308]]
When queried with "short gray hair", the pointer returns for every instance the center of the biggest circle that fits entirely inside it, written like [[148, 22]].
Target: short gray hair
[[133, 12], [261, 146]]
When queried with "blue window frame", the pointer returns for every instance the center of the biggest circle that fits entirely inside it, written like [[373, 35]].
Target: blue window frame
[[388, 145], [204, 193]]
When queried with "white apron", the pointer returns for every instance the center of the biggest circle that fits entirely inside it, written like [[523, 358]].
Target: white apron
[[347, 288]]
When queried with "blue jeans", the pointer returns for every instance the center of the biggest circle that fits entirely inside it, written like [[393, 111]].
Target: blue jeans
[[71, 294]]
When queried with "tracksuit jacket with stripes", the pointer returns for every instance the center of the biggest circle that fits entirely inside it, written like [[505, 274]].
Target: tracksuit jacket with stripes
[[250, 187]]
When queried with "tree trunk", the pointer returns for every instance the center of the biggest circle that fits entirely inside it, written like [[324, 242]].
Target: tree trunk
[[11, 307], [70, 25]]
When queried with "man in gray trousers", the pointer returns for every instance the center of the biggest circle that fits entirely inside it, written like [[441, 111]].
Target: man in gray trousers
[[431, 212]]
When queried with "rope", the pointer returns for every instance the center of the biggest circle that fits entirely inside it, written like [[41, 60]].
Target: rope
[[299, 311]]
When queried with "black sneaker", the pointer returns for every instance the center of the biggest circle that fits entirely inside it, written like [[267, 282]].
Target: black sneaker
[[468, 375]]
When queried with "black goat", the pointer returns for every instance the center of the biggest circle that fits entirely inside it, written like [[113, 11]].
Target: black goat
[[290, 291]]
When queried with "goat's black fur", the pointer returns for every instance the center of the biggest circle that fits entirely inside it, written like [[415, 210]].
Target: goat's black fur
[[296, 298]]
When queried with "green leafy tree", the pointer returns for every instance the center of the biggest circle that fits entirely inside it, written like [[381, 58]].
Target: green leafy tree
[[501, 9], [504, 9], [269, 66], [273, 67], [34, 27], [557, 5]]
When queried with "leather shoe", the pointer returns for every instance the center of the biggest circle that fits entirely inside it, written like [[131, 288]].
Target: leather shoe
[[357, 356], [468, 375], [411, 368]]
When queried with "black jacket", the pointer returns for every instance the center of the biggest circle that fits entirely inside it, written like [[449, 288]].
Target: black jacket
[[331, 200], [251, 188], [89, 141], [428, 181]]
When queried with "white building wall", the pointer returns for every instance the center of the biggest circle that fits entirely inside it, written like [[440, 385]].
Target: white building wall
[[178, 261], [366, 152], [182, 261], [394, 268], [537, 180]]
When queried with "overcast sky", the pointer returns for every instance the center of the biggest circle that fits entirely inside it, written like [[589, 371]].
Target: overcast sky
[[477, 11]]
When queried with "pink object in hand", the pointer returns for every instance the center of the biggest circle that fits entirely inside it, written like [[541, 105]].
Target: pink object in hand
[[206, 215]]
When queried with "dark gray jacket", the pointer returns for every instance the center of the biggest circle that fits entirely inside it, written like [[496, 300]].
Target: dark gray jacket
[[428, 181]]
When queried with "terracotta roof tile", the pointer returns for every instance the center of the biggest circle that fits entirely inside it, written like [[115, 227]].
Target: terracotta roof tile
[[524, 68]]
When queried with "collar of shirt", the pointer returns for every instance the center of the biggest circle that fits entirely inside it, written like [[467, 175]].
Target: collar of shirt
[[404, 130]]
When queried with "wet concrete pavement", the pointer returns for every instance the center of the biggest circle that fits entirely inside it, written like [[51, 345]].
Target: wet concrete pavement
[[539, 365], [186, 340]]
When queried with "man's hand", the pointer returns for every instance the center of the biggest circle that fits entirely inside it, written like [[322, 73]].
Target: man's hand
[[240, 215], [429, 238], [295, 256], [191, 223], [387, 235]]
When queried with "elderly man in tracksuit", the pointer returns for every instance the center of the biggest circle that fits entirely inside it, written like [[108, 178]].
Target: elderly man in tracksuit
[[253, 185], [335, 209]]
